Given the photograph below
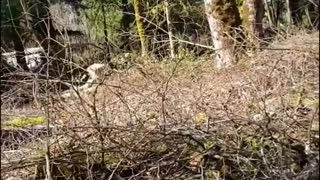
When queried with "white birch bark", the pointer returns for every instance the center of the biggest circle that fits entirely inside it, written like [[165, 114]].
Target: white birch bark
[[172, 54], [224, 54], [288, 12]]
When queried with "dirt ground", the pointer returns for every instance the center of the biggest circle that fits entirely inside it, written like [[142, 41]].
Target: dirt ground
[[271, 97]]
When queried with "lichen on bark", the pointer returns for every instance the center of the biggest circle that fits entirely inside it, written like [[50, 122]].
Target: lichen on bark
[[227, 12], [223, 16], [139, 26], [253, 13]]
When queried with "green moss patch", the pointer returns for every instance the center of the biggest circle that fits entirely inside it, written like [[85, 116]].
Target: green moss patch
[[25, 121]]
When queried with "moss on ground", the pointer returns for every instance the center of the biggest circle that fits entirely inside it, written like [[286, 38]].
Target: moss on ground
[[25, 121]]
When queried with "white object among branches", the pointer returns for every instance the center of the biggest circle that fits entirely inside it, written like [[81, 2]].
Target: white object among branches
[[33, 58]]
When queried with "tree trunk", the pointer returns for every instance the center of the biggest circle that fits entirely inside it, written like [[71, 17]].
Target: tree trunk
[[139, 26], [106, 38], [169, 29], [289, 21], [252, 20], [223, 16]]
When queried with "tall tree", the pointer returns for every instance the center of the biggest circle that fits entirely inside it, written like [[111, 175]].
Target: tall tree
[[137, 4], [252, 19], [289, 20], [223, 16], [106, 39], [166, 4]]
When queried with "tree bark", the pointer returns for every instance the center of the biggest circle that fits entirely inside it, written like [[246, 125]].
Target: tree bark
[[169, 29], [223, 16], [289, 20], [139, 26], [252, 20], [106, 38]]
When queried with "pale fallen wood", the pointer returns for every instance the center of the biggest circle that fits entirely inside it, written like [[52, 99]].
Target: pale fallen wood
[[95, 72]]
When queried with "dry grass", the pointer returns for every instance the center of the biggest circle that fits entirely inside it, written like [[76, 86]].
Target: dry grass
[[185, 120]]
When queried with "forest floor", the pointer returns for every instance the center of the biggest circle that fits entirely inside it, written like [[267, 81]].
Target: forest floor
[[187, 120]]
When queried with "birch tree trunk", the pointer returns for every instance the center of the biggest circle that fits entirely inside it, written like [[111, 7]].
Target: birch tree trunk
[[289, 20], [252, 19], [169, 29], [139, 26], [222, 15]]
